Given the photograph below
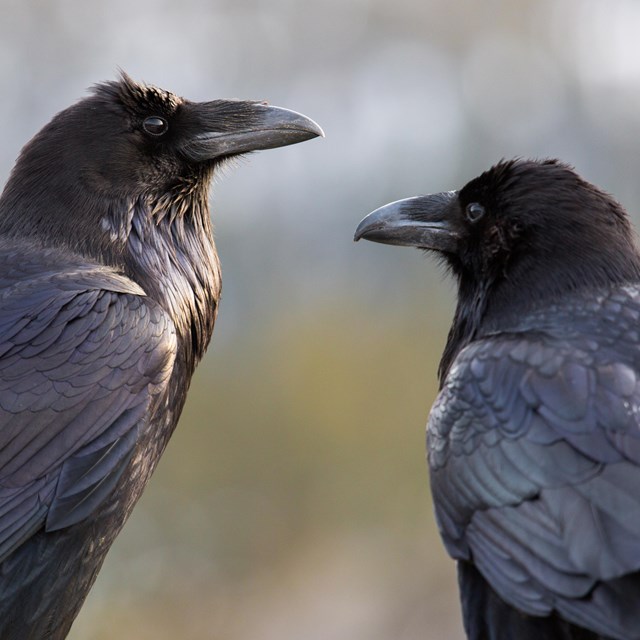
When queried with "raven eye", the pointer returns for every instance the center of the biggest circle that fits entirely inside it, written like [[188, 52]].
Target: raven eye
[[474, 211], [155, 125]]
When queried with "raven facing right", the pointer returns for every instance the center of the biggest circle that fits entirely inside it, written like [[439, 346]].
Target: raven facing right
[[109, 287], [534, 439]]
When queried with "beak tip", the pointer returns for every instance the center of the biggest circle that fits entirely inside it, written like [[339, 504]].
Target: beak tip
[[314, 129], [363, 227], [292, 122]]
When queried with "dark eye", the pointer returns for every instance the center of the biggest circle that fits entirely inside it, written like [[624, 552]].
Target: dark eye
[[474, 211], [155, 125]]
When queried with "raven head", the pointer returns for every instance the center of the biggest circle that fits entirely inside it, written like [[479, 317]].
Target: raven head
[[519, 216], [129, 141], [166, 139]]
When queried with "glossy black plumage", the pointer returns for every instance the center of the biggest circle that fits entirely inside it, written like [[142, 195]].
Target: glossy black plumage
[[534, 439], [109, 284]]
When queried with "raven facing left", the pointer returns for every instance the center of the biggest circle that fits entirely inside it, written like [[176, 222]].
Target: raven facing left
[[109, 285], [534, 439]]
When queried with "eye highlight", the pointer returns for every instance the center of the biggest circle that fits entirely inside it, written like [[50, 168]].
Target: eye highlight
[[155, 125], [474, 211]]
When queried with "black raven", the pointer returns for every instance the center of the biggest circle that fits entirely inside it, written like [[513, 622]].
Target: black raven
[[534, 439], [109, 284]]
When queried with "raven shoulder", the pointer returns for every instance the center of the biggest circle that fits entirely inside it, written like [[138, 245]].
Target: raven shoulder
[[534, 451]]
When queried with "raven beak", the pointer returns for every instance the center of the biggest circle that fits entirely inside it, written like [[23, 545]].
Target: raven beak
[[426, 222], [236, 127]]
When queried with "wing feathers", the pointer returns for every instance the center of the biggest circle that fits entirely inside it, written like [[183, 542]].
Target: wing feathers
[[83, 354], [534, 451]]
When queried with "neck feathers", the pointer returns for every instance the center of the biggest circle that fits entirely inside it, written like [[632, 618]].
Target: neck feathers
[[499, 299], [170, 252], [163, 242]]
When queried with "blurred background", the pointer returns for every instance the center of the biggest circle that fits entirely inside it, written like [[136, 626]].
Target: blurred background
[[293, 500]]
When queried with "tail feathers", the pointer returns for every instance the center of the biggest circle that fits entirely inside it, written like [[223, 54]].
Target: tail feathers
[[487, 617]]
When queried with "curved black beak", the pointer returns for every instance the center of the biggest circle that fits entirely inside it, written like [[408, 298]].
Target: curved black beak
[[427, 222], [230, 127]]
